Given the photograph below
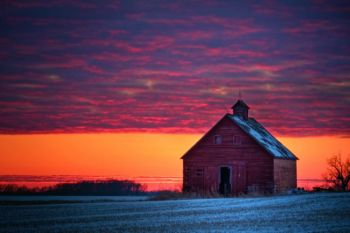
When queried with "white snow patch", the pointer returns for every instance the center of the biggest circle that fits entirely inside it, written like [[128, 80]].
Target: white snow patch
[[263, 137], [321, 212]]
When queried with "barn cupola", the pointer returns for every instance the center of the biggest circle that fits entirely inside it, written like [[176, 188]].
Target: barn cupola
[[240, 109]]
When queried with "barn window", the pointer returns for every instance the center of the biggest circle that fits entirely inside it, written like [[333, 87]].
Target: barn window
[[217, 139], [199, 172], [187, 174], [237, 140]]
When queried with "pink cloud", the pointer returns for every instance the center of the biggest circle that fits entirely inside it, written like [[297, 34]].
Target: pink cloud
[[311, 26], [273, 8]]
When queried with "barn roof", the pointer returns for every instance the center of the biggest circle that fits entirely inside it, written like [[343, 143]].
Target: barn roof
[[255, 130]]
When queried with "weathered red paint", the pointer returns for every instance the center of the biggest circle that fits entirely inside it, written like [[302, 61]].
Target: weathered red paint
[[252, 168]]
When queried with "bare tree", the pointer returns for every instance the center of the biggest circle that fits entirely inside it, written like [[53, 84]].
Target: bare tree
[[338, 172]]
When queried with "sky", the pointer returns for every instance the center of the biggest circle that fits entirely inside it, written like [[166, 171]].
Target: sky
[[77, 75]]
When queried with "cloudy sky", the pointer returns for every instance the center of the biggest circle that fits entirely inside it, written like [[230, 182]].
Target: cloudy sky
[[173, 66]]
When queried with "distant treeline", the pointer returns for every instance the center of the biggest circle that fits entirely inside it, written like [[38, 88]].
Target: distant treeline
[[100, 187]]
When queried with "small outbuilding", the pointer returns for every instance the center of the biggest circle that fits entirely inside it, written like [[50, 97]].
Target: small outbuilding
[[238, 155]]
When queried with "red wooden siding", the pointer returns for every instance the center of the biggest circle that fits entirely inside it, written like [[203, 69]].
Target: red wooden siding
[[285, 174], [251, 166]]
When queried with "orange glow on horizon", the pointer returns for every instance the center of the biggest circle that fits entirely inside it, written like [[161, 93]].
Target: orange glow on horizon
[[127, 154], [313, 153], [135, 154]]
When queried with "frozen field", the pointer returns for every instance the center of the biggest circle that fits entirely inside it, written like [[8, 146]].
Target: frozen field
[[297, 213]]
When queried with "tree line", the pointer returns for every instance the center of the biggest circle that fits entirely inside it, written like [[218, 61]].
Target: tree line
[[99, 187]]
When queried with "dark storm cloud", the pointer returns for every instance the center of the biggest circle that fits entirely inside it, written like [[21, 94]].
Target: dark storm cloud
[[160, 66]]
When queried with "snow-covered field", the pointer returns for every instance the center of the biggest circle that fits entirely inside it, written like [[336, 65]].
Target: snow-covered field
[[322, 212]]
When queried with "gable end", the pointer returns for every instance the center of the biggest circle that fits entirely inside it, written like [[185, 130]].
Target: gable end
[[204, 136]]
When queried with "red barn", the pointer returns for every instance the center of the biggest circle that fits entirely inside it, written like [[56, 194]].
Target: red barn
[[238, 155]]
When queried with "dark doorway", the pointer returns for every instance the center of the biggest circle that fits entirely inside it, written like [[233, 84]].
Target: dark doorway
[[225, 185]]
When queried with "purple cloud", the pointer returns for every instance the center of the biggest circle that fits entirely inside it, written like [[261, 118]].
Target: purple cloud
[[173, 67]]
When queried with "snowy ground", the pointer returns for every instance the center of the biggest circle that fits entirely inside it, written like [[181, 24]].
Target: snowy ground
[[323, 212]]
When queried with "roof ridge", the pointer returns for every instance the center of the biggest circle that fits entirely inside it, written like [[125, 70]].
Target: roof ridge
[[263, 137]]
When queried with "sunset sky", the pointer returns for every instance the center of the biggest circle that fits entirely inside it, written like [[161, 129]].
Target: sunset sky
[[125, 88]]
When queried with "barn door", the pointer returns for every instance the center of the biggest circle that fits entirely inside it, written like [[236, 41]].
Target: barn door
[[198, 179], [225, 181], [241, 179]]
